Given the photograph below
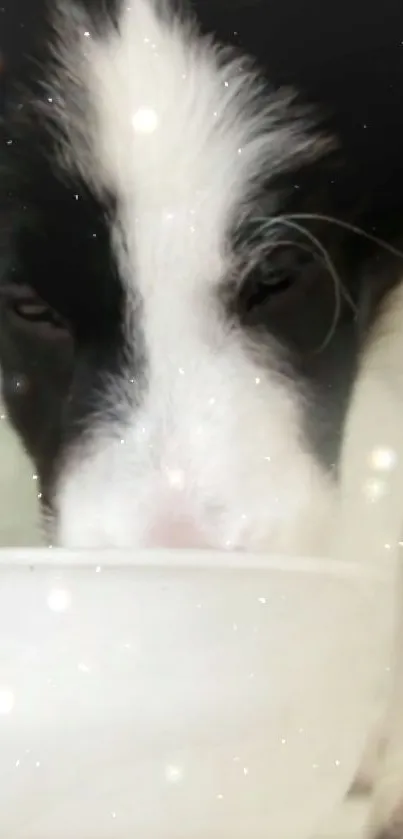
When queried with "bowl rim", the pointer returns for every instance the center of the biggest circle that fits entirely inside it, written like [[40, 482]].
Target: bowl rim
[[52, 559]]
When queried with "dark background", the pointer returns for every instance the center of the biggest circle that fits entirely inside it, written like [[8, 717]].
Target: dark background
[[309, 36], [345, 54]]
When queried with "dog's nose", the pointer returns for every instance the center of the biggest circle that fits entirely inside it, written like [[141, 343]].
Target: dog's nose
[[175, 532]]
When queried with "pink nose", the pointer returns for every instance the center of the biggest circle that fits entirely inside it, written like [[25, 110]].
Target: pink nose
[[179, 532]]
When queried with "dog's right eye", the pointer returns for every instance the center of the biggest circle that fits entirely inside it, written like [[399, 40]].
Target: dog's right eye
[[30, 313]]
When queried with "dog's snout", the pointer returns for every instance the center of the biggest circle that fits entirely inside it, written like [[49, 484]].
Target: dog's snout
[[178, 531]]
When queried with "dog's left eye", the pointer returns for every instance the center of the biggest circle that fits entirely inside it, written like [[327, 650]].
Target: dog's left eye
[[263, 288]]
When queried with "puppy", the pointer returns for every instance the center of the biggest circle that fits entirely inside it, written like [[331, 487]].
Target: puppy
[[202, 222]]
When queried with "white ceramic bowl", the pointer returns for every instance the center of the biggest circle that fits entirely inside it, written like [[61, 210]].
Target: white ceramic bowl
[[185, 696]]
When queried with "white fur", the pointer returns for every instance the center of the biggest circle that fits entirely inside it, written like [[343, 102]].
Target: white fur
[[215, 438]]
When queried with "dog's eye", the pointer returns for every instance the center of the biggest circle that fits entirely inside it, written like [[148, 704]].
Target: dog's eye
[[32, 310], [265, 286], [31, 313]]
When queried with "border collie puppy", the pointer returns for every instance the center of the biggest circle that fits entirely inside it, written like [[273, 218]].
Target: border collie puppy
[[202, 216], [184, 289]]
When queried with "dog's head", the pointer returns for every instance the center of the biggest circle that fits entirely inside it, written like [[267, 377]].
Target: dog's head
[[177, 346]]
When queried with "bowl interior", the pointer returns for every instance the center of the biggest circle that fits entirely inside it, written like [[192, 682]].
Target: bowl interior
[[185, 696]]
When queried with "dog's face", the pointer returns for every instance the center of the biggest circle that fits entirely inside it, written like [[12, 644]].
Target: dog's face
[[176, 359]]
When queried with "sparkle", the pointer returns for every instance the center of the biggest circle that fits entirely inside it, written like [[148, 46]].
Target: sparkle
[[87, 34], [226, 84], [19, 384], [374, 489], [245, 771], [257, 380], [113, 814], [262, 600], [220, 796], [174, 774], [383, 459], [283, 741], [145, 121], [181, 371], [34, 477]]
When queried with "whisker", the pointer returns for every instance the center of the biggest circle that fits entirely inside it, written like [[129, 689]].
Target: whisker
[[241, 272], [291, 243], [358, 231], [265, 251], [289, 222], [307, 249]]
